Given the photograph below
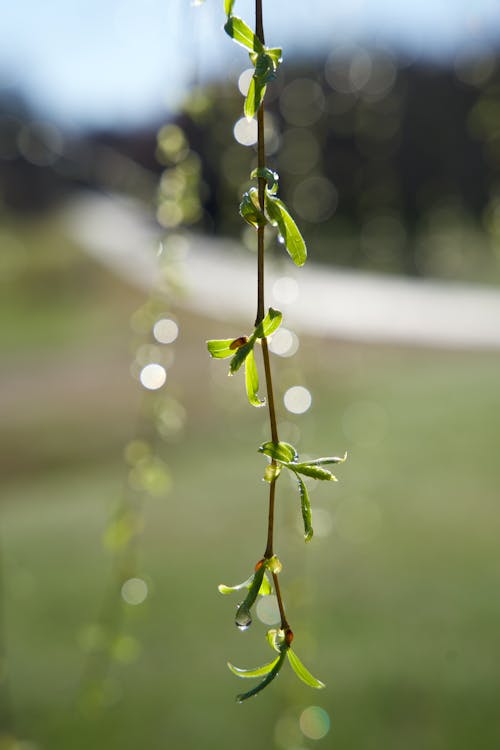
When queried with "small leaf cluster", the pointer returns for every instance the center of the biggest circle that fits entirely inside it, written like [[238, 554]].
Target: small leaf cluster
[[241, 351], [257, 583], [280, 640], [265, 60], [275, 213]]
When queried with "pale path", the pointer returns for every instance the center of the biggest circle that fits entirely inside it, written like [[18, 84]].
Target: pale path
[[328, 301]]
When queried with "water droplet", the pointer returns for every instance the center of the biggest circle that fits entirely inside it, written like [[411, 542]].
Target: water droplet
[[243, 618]]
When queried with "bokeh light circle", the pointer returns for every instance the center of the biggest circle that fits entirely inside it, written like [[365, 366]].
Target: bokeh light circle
[[165, 330], [134, 591], [244, 80], [284, 343], [297, 399], [153, 376], [245, 131], [314, 722], [267, 610]]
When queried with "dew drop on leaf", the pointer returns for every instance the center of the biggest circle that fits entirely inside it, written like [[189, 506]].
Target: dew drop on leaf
[[243, 618]]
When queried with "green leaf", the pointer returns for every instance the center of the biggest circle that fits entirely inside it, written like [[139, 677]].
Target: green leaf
[[269, 324], [276, 639], [265, 682], [265, 586], [283, 452], [228, 6], [327, 460], [265, 69], [231, 589], [274, 564], [240, 356], [301, 672], [250, 211], [275, 53], [278, 215], [252, 380], [242, 34], [272, 472], [271, 178], [310, 470], [257, 672], [305, 506], [219, 348], [253, 592], [254, 97]]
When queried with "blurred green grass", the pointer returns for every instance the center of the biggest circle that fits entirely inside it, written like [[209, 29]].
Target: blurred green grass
[[396, 608]]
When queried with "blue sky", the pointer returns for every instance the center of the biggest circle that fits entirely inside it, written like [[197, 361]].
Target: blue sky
[[91, 62]]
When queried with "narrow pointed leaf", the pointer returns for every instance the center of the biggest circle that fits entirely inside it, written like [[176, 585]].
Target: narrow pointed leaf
[[252, 380], [253, 591], [242, 34], [228, 6], [305, 506], [265, 682], [257, 672], [265, 587], [240, 356], [282, 452], [327, 460], [303, 673], [316, 472], [231, 589], [254, 98], [219, 348], [278, 215], [269, 324]]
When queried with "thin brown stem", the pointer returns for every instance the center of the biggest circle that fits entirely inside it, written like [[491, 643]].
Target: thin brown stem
[[284, 621], [261, 163]]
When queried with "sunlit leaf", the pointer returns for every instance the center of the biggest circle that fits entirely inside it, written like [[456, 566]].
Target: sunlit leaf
[[302, 672], [250, 211], [327, 460], [265, 587], [271, 178], [316, 472], [275, 53], [252, 380], [242, 34], [257, 672], [271, 472], [305, 505], [278, 215], [276, 639], [240, 355], [265, 682], [269, 324], [255, 95], [283, 452], [231, 589], [228, 6], [220, 348], [274, 564]]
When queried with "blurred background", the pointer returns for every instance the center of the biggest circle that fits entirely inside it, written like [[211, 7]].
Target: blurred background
[[131, 481]]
